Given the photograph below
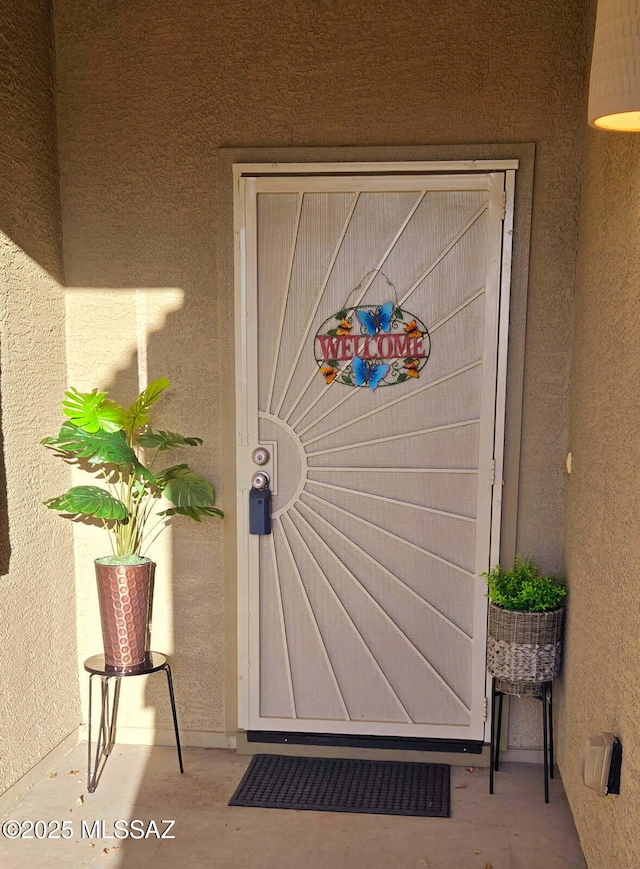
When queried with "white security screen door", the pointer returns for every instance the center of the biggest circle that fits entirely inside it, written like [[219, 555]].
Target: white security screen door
[[369, 370]]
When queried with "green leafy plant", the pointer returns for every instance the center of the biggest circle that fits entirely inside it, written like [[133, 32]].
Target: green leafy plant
[[120, 447], [523, 588]]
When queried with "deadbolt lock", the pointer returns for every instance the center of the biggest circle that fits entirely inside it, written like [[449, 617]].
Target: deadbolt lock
[[261, 456]]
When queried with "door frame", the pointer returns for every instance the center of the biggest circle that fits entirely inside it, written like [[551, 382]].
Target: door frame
[[249, 178], [238, 162]]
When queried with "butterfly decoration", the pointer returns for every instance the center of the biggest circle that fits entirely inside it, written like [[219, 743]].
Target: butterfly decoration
[[344, 328], [412, 330], [329, 373], [411, 367], [367, 373], [378, 320]]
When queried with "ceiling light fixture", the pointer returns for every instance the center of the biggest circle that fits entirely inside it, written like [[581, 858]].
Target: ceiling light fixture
[[614, 85]]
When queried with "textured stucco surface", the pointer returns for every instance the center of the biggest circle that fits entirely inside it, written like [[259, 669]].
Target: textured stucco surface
[[38, 675], [147, 92], [601, 680], [124, 326]]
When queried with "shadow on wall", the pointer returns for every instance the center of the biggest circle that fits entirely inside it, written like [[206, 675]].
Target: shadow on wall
[[5, 545], [117, 339]]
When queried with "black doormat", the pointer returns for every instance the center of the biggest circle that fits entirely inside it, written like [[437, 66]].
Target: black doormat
[[322, 784]]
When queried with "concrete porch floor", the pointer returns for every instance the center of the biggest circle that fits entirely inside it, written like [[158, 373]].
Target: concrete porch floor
[[513, 829]]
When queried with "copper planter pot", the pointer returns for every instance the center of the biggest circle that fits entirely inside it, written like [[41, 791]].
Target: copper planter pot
[[125, 595]]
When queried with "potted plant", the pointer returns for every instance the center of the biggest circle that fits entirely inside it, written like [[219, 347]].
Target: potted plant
[[119, 446], [524, 646]]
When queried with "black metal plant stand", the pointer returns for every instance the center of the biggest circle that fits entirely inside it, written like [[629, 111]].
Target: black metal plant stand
[[96, 666], [546, 696]]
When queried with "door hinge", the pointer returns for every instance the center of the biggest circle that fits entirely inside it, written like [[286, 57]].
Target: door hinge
[[485, 709], [492, 472], [504, 204]]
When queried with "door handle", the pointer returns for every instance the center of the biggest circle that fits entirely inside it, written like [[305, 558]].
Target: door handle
[[260, 504], [260, 480]]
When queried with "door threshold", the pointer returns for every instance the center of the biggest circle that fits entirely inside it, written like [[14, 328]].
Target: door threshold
[[394, 743]]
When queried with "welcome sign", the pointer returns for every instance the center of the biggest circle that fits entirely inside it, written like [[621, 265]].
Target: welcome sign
[[371, 346]]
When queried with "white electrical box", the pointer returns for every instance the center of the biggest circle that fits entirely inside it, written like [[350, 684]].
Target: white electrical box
[[597, 771]]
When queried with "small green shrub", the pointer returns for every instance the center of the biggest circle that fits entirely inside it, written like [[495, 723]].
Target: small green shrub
[[523, 588]]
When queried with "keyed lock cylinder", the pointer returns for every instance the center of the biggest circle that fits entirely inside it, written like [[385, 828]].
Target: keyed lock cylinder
[[260, 503]]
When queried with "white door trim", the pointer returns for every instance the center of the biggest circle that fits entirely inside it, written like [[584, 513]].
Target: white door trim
[[248, 179], [354, 168]]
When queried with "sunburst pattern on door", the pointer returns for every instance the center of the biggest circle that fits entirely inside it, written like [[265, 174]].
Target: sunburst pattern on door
[[367, 584]]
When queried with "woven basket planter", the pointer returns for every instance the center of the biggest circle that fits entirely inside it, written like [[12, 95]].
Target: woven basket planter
[[524, 649]]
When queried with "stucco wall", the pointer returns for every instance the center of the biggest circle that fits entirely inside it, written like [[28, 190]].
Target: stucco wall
[[147, 92], [601, 682], [38, 675]]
